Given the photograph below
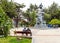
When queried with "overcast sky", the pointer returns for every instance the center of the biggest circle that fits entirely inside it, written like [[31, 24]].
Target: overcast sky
[[45, 3]]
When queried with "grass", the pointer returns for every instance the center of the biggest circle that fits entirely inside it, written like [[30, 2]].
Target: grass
[[14, 40]]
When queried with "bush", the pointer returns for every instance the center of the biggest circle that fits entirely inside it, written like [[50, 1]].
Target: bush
[[5, 22], [55, 22]]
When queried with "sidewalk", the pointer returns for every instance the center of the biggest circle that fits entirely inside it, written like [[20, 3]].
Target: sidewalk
[[47, 36], [42, 36]]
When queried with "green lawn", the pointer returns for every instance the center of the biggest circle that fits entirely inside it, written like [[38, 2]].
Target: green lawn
[[14, 40]]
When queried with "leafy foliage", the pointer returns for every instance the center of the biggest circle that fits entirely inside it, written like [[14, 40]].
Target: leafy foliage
[[54, 21], [52, 14], [5, 22], [47, 17], [30, 14], [33, 18], [10, 8]]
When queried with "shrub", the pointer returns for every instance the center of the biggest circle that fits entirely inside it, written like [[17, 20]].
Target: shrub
[[55, 22], [5, 22]]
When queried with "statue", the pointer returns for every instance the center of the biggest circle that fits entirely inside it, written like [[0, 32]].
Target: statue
[[40, 6], [40, 23]]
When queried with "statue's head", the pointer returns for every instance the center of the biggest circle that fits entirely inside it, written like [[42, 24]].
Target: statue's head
[[40, 6]]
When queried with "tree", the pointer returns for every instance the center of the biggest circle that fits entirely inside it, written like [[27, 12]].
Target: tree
[[11, 7], [53, 9], [33, 7], [52, 12], [8, 7], [58, 14], [47, 17], [33, 18], [31, 14], [5, 22]]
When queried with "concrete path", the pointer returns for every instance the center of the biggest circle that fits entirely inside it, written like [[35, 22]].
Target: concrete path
[[47, 36], [42, 35], [20, 29]]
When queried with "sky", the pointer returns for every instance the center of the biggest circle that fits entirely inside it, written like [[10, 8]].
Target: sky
[[45, 3]]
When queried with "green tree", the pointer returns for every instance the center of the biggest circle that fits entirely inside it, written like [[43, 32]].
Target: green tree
[[11, 7], [32, 7], [5, 22], [8, 7], [58, 14], [31, 14], [52, 12], [33, 18], [47, 17], [53, 9]]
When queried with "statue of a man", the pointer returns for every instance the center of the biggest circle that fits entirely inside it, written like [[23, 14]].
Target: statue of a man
[[41, 6]]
